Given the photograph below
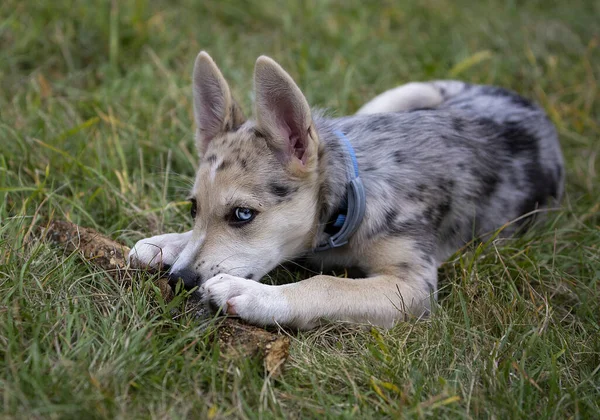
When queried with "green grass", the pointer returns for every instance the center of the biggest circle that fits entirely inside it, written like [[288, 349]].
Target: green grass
[[96, 127]]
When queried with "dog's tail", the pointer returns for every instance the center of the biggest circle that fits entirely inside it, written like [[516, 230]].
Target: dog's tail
[[413, 95]]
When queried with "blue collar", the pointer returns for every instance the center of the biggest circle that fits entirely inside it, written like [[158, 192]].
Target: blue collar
[[346, 220]]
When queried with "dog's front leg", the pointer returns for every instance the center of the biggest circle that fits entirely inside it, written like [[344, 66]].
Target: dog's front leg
[[160, 250], [381, 300]]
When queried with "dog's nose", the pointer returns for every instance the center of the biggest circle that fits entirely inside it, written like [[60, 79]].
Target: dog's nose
[[189, 278]]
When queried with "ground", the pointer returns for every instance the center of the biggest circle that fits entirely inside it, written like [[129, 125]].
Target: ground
[[96, 127]]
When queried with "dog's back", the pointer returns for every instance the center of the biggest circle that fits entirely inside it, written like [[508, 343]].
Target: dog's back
[[468, 160]]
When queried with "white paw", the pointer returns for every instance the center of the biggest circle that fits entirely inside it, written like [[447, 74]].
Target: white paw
[[158, 251], [254, 302]]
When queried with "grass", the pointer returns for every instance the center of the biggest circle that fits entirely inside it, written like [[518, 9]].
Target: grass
[[95, 127]]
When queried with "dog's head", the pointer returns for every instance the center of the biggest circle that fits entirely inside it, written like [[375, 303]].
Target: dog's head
[[254, 200]]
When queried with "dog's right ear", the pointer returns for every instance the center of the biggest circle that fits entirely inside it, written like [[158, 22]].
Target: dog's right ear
[[282, 112], [215, 110]]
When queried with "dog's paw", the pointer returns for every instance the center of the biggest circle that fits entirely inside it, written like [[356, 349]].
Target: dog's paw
[[254, 302], [158, 251]]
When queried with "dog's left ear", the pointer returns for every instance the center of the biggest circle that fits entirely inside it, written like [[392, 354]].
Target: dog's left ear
[[215, 110], [283, 114]]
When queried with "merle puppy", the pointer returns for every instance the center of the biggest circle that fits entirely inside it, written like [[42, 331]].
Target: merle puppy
[[394, 190]]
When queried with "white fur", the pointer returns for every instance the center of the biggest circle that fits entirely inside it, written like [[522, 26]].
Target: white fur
[[188, 253], [213, 170], [255, 302], [159, 250], [403, 98]]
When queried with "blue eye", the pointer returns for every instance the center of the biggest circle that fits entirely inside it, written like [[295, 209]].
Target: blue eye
[[242, 215]]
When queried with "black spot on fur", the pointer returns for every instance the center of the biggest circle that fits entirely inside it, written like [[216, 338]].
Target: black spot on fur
[[211, 158], [458, 124], [435, 214], [487, 179], [414, 196], [541, 187], [446, 185], [517, 139], [244, 163], [430, 286], [421, 188], [404, 266], [223, 165], [428, 257], [489, 183], [257, 133], [515, 98], [442, 211], [279, 190], [407, 228], [390, 217], [539, 184], [399, 157], [412, 228], [250, 276]]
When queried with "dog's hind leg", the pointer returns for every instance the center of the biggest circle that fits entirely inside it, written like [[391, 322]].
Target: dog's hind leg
[[403, 98]]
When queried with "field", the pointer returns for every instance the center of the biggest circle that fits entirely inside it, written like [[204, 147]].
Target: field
[[96, 127]]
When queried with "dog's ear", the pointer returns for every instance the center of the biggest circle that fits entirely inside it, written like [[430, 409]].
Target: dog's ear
[[215, 110], [283, 114]]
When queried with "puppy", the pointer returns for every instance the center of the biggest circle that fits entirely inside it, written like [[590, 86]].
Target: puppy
[[393, 190]]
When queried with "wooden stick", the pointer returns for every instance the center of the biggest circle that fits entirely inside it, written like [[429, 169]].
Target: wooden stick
[[240, 339]]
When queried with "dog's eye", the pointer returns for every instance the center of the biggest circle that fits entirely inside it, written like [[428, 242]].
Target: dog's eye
[[194, 208], [241, 216]]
